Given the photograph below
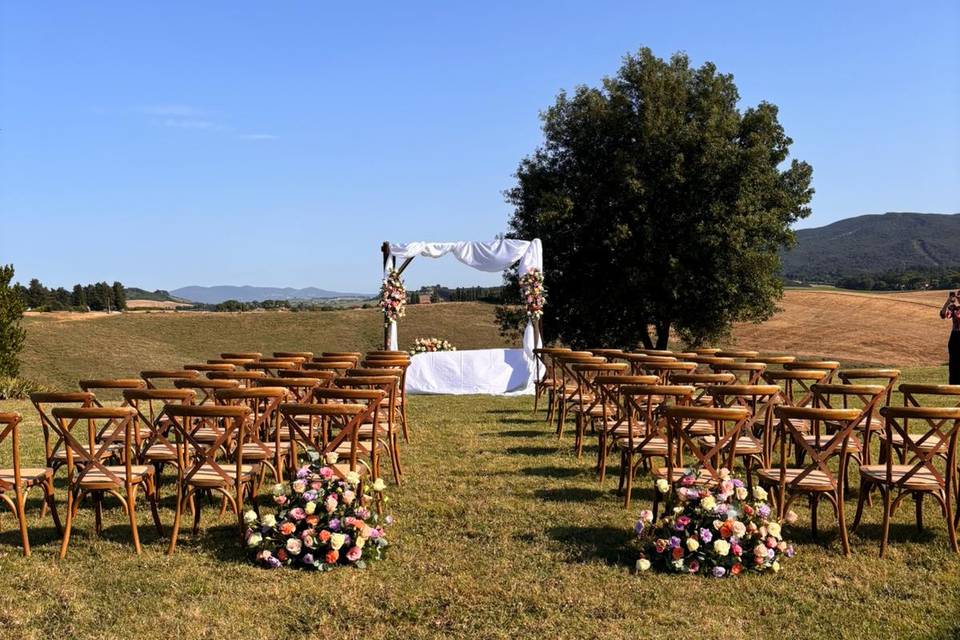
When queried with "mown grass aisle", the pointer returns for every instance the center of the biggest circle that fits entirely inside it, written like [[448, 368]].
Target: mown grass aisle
[[501, 533]]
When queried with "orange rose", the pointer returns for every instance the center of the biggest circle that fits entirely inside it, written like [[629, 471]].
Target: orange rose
[[725, 530], [736, 569], [287, 528], [313, 520], [677, 553], [324, 536], [332, 556]]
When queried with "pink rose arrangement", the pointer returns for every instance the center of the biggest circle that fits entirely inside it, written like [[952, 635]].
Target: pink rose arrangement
[[721, 531], [533, 292], [429, 345], [393, 297], [321, 522]]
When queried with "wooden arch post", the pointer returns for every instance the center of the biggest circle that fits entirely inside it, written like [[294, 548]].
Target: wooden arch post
[[387, 258]]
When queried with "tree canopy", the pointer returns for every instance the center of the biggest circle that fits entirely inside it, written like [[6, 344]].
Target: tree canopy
[[12, 333], [660, 204]]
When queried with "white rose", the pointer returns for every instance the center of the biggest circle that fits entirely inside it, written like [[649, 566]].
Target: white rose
[[310, 507], [250, 516], [759, 493], [741, 493], [379, 484], [774, 529], [739, 529], [331, 457], [254, 540], [643, 564], [269, 520], [662, 485], [692, 544], [294, 546], [337, 540], [722, 547], [353, 477]]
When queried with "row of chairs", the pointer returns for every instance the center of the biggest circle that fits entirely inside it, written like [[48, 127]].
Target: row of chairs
[[794, 426], [222, 425]]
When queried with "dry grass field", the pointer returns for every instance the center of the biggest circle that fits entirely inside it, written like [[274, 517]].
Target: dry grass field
[[501, 531], [883, 328]]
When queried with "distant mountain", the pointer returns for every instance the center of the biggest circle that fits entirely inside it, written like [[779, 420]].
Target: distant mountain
[[136, 293], [246, 293], [873, 244]]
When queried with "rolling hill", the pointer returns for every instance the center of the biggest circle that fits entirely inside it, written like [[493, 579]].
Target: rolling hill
[[874, 244], [246, 293]]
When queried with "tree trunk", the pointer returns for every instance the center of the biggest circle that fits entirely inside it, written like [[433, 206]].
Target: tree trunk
[[645, 337], [663, 333]]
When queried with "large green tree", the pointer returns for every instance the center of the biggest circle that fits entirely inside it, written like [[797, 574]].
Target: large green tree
[[660, 204], [12, 333]]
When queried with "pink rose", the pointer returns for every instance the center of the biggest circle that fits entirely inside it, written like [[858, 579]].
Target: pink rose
[[354, 554]]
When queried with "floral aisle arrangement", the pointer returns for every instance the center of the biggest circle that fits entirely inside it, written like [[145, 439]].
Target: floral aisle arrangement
[[720, 532], [393, 297], [428, 345], [321, 522], [533, 292]]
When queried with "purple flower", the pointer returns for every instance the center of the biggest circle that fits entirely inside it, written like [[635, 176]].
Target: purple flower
[[674, 542], [389, 520], [719, 572], [737, 482], [273, 562], [307, 558], [683, 521], [705, 535], [764, 511], [310, 496], [790, 551], [771, 553], [639, 527], [303, 472], [334, 524]]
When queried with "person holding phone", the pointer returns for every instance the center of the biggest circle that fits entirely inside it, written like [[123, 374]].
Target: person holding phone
[[951, 310]]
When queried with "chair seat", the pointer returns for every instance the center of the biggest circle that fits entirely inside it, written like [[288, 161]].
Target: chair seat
[[699, 427], [206, 434], [921, 480], [853, 443], [814, 481], [97, 478], [746, 445], [622, 430], [207, 476], [656, 446], [263, 450], [594, 411], [161, 453], [29, 476], [703, 478], [931, 443]]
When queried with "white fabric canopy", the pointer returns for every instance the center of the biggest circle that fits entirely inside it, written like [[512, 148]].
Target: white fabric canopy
[[487, 371], [485, 256]]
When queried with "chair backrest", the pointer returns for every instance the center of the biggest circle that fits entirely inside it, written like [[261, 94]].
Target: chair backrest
[[666, 370], [243, 377], [205, 387], [353, 357], [829, 367], [885, 376], [237, 362], [647, 404], [796, 385], [210, 366], [658, 352], [609, 354], [774, 359], [201, 454], [794, 424], [104, 428], [737, 354], [746, 372], [10, 427], [293, 359], [325, 377], [306, 355], [44, 403], [299, 388], [866, 398], [707, 351], [242, 355], [683, 439], [164, 378], [149, 404], [336, 366], [263, 403], [271, 368], [917, 395], [938, 440], [102, 388]]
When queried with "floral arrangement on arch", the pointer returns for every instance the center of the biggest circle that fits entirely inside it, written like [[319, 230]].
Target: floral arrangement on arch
[[721, 532], [393, 297], [429, 345], [533, 292], [321, 522]]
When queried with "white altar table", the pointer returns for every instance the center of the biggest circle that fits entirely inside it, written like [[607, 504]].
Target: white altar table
[[482, 371]]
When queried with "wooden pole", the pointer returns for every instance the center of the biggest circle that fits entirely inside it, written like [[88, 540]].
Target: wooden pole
[[385, 250]]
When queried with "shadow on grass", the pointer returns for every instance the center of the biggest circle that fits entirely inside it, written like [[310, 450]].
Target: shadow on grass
[[45, 534], [526, 421], [531, 451], [585, 544], [553, 472], [569, 494], [521, 433]]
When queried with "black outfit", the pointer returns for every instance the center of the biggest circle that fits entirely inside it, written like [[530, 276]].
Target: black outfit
[[953, 347]]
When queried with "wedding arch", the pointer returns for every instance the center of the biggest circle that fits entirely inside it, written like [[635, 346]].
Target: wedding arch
[[493, 371]]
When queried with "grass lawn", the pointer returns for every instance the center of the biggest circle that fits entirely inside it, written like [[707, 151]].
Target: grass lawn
[[501, 533]]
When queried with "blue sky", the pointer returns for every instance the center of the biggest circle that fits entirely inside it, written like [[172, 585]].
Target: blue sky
[[278, 144]]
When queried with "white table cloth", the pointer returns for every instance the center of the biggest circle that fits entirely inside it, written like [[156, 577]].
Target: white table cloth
[[484, 371]]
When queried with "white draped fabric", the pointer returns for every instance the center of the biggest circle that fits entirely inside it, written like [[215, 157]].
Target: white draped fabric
[[485, 256], [487, 371]]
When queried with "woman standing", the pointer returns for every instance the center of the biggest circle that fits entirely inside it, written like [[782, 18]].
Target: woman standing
[[951, 309]]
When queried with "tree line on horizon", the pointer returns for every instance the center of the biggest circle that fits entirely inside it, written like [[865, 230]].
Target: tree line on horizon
[[99, 296]]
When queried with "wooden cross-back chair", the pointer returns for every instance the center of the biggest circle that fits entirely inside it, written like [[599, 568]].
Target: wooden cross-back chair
[[754, 443], [261, 442], [814, 477], [565, 394], [546, 380], [773, 360], [88, 473], [337, 417], [157, 379], [703, 362], [639, 361], [206, 388], [242, 355], [104, 387], [746, 372], [658, 352], [211, 465], [918, 395], [883, 376], [706, 351], [236, 362], [701, 382], [206, 367], [685, 441], [401, 364], [646, 433], [243, 378], [665, 370], [325, 378], [384, 433], [16, 481], [44, 402], [918, 473], [356, 356], [299, 388], [156, 448], [272, 367], [588, 410], [615, 421], [866, 398], [796, 385]]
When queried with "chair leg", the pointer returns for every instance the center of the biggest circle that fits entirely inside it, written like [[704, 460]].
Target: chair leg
[[132, 512], [154, 498], [951, 524], [842, 522], [49, 501], [22, 518], [629, 488], [68, 525], [98, 512], [181, 502], [864, 492], [886, 520]]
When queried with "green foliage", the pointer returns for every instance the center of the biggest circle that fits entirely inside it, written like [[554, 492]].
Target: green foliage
[[119, 297], [11, 332], [909, 280], [18, 388], [659, 203]]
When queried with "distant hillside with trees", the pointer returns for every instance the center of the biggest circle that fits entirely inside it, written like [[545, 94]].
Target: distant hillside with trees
[[888, 251], [100, 296]]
